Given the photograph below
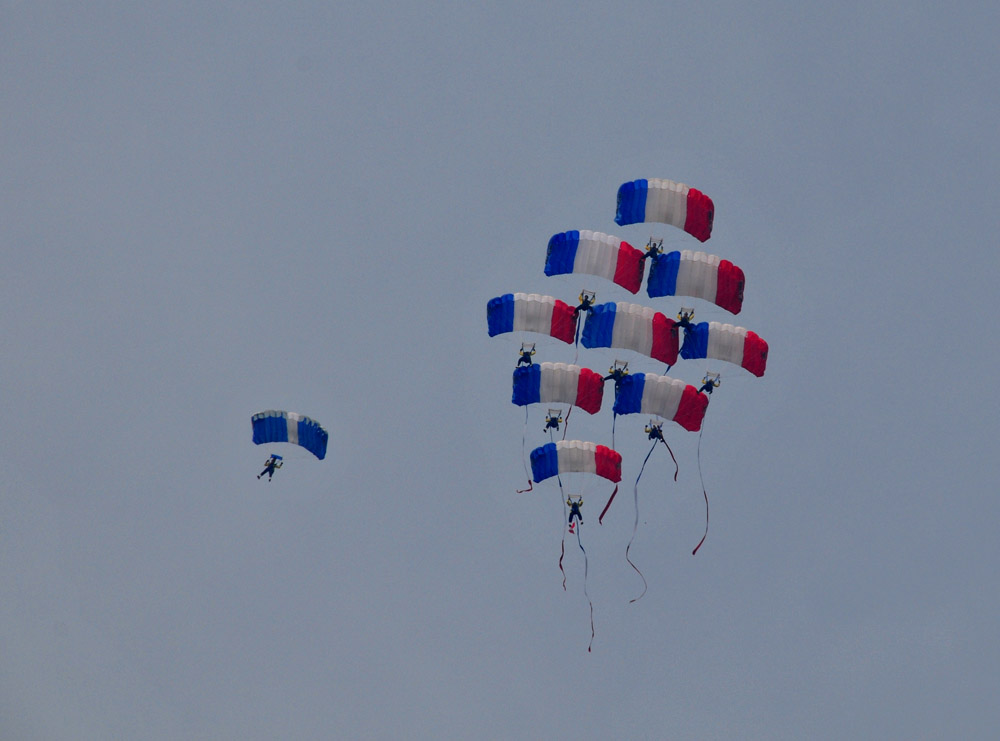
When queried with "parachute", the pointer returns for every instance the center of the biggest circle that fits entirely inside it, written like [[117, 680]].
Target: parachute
[[575, 456], [670, 398], [530, 312], [274, 426], [736, 345], [631, 327], [560, 383], [697, 274], [667, 202], [597, 254]]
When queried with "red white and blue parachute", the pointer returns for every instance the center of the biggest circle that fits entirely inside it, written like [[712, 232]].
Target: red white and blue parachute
[[542, 383], [530, 312], [274, 426], [575, 456], [732, 344], [595, 253], [631, 327], [697, 274], [663, 396], [666, 202]]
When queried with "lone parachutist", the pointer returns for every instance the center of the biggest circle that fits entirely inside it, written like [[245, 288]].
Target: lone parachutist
[[270, 466]]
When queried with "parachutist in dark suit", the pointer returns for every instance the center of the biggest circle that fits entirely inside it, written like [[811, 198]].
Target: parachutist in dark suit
[[270, 466]]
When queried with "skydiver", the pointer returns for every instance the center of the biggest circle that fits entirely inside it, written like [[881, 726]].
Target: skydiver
[[710, 382], [272, 463], [553, 420], [526, 351], [684, 317], [586, 302], [653, 249], [574, 509], [616, 373], [655, 432]]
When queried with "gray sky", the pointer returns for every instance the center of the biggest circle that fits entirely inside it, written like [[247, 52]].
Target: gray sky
[[214, 209]]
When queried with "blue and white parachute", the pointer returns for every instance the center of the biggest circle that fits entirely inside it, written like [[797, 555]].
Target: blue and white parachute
[[274, 426]]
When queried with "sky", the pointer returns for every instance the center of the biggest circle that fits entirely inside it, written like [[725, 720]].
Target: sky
[[213, 209]]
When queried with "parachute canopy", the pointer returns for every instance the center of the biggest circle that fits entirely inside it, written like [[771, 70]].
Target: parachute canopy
[[597, 254], [736, 345], [670, 398], [274, 426], [631, 327], [667, 202], [558, 383], [575, 456], [530, 312], [697, 274]]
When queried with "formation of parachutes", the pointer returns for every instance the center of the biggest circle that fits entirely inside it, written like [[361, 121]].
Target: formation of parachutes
[[635, 328]]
